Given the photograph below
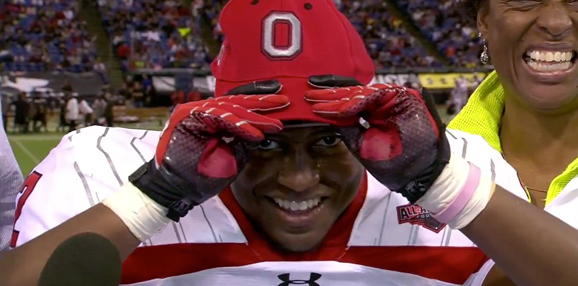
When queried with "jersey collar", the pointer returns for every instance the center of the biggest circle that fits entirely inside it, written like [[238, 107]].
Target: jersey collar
[[333, 246]]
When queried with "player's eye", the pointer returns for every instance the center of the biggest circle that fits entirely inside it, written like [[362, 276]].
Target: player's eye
[[267, 145], [329, 141]]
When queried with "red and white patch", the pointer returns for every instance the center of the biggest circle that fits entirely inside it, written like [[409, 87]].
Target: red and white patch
[[417, 215]]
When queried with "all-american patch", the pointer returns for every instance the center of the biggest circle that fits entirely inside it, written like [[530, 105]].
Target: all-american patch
[[417, 215]]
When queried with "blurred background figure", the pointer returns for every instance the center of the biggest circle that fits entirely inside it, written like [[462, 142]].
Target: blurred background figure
[[39, 108], [85, 112], [72, 114]]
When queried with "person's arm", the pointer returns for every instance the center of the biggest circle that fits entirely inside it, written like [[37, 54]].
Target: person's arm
[[497, 277], [10, 183], [531, 246], [62, 188], [22, 266]]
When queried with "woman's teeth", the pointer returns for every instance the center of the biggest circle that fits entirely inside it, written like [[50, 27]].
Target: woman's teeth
[[549, 61]]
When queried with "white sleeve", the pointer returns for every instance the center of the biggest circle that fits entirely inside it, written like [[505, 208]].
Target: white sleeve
[[84, 107], [54, 192], [87, 107]]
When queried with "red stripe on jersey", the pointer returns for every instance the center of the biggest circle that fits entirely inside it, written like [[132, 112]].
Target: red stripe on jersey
[[449, 264]]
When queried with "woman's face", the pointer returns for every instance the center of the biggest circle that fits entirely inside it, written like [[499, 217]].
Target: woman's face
[[532, 45]]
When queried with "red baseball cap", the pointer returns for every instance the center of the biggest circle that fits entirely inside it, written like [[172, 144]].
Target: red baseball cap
[[288, 40]]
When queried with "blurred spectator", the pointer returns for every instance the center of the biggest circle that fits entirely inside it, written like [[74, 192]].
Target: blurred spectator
[[62, 100], [147, 86], [38, 113], [98, 107], [21, 111], [138, 94], [108, 110], [85, 112], [72, 111], [100, 69]]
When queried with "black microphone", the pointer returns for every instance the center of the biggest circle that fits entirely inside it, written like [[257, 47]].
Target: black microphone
[[86, 259]]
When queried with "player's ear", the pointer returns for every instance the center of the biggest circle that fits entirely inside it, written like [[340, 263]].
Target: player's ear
[[257, 87], [331, 80]]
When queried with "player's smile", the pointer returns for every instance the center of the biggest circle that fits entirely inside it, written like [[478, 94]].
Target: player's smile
[[298, 215]]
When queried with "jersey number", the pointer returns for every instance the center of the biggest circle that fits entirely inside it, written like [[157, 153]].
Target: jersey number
[[282, 36], [27, 189]]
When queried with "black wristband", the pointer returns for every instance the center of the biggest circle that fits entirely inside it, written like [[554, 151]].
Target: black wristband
[[163, 190], [417, 188]]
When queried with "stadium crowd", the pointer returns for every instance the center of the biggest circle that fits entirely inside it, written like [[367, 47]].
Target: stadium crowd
[[41, 35], [446, 25], [163, 34], [153, 34], [144, 38]]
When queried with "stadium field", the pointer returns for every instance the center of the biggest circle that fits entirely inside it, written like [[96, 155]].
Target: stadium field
[[30, 149]]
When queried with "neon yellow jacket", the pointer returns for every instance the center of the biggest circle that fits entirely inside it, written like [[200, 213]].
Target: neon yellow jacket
[[482, 115]]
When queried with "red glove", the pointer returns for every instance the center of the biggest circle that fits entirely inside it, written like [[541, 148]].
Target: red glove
[[400, 141], [204, 145]]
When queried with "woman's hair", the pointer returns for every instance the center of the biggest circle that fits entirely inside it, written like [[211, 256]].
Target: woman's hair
[[472, 7]]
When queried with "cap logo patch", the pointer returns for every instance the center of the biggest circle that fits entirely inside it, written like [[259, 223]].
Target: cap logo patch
[[282, 38]]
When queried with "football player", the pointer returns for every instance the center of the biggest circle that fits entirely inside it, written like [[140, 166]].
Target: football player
[[295, 173]]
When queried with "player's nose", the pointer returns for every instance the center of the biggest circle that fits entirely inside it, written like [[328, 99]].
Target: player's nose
[[299, 171]]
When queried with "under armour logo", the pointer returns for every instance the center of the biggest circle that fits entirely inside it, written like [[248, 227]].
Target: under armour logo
[[311, 282]]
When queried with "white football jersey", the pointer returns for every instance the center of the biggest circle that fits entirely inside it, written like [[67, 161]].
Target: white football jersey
[[380, 240]]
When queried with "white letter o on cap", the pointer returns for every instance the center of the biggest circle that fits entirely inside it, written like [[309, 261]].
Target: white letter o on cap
[[269, 28]]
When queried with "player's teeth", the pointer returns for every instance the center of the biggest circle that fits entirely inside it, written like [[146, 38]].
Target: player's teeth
[[550, 56], [297, 206]]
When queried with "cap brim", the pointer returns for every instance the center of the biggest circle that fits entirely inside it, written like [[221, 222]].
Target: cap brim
[[298, 110]]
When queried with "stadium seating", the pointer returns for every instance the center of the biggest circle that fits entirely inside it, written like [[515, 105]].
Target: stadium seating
[[44, 35], [385, 36], [446, 25], [153, 34]]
